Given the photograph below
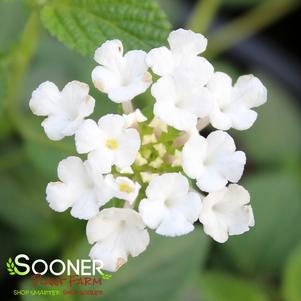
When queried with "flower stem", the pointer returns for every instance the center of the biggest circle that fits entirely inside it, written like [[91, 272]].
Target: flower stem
[[127, 107], [203, 14], [247, 25], [22, 57]]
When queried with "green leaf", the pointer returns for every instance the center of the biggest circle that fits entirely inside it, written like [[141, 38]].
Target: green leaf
[[292, 276], [275, 198], [167, 266], [220, 286], [275, 135], [84, 24]]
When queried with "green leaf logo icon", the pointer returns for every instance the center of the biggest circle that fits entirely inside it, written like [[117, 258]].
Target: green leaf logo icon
[[10, 265], [106, 276]]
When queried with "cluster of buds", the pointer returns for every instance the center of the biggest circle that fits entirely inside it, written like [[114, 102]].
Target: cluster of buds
[[152, 169]]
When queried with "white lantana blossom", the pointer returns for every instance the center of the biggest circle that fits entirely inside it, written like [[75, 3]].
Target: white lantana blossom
[[213, 161], [233, 105], [65, 110], [180, 103], [108, 143], [123, 188], [79, 188], [116, 233], [182, 58], [170, 207], [226, 212], [121, 77], [152, 168]]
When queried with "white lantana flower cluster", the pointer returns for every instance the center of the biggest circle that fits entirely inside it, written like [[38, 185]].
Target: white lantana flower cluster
[[155, 171]]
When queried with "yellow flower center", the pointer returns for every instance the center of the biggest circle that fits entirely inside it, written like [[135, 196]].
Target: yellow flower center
[[125, 187], [112, 144]]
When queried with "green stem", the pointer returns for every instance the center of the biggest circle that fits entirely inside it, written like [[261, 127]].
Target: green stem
[[22, 58], [247, 25], [203, 14]]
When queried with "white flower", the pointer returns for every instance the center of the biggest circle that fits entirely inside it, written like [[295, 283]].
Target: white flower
[[182, 57], [170, 207], [212, 161], [232, 105], [225, 212], [65, 110], [116, 233], [180, 103], [133, 118], [108, 143], [123, 188], [121, 77], [79, 188]]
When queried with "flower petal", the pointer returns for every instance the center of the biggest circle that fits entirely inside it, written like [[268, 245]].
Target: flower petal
[[136, 66], [59, 196], [231, 166], [88, 137], [101, 161], [181, 120], [72, 171], [242, 118], [250, 91], [174, 225], [211, 180], [219, 119], [54, 126], [105, 79], [124, 93], [196, 69], [86, 206], [220, 142], [76, 101], [164, 90], [193, 155], [112, 125], [109, 54], [129, 144], [152, 212], [220, 85], [187, 42], [161, 60], [44, 99], [111, 256]]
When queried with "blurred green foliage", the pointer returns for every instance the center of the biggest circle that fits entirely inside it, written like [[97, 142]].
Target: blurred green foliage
[[262, 265]]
